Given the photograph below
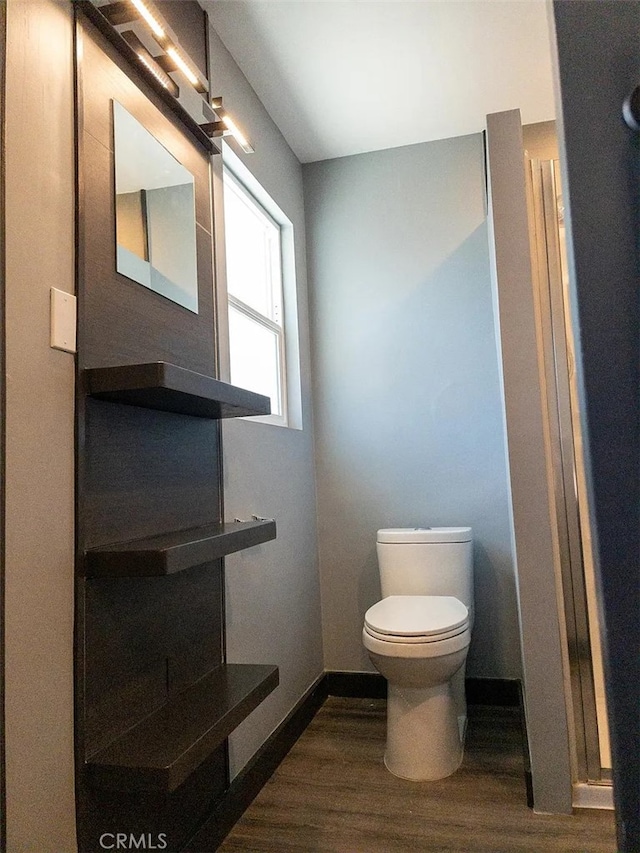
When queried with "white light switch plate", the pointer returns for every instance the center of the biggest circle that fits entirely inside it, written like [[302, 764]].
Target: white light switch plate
[[63, 320]]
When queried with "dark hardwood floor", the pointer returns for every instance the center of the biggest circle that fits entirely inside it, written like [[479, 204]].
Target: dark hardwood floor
[[333, 793]]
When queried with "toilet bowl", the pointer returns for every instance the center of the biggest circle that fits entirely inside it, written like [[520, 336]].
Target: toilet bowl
[[419, 643]]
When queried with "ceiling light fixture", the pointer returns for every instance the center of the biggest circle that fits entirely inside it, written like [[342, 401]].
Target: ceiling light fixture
[[150, 62], [119, 12], [226, 126], [157, 53], [236, 133]]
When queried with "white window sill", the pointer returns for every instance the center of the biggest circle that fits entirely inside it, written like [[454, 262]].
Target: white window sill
[[269, 421]]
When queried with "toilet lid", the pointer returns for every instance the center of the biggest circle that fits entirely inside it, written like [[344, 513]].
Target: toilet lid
[[423, 535], [417, 616]]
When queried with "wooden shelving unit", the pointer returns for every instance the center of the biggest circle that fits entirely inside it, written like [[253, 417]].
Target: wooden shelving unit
[[156, 701], [168, 553], [161, 751], [168, 388]]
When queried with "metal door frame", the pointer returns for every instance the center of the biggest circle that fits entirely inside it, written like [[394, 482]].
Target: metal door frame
[[557, 367]]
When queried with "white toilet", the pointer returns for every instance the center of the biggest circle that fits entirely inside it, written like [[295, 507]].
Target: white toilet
[[418, 637]]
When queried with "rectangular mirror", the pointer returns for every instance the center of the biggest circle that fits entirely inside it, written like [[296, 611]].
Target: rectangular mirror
[[155, 213]]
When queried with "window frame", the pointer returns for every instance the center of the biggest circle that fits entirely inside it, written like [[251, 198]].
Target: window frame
[[230, 175]]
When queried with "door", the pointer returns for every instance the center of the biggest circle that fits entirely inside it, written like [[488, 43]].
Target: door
[[599, 65]]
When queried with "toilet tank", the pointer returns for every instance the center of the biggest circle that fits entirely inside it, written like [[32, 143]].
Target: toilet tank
[[426, 561]]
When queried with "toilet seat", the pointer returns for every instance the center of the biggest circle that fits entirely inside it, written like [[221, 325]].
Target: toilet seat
[[416, 618], [398, 638], [398, 648]]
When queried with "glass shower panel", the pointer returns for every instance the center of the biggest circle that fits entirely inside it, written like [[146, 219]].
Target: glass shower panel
[[573, 530], [595, 636]]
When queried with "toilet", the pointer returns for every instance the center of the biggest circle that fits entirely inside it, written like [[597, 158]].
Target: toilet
[[417, 637]]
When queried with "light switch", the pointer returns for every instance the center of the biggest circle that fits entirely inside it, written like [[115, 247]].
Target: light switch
[[63, 320]]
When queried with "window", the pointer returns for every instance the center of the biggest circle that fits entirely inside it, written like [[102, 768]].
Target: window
[[254, 244]]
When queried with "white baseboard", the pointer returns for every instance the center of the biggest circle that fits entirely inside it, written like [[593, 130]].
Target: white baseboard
[[592, 796]]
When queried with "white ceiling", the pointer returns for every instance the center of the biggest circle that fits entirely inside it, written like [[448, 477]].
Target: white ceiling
[[341, 77]]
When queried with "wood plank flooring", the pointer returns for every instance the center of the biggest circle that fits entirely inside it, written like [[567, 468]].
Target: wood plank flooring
[[333, 793]]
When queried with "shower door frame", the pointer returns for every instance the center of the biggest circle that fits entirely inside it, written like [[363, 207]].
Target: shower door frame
[[557, 358]]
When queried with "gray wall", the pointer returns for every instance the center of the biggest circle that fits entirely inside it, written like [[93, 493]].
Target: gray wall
[[409, 427], [40, 430], [536, 546], [272, 591]]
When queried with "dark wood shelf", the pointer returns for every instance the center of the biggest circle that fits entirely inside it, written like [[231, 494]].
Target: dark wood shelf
[[168, 553], [161, 751], [169, 388]]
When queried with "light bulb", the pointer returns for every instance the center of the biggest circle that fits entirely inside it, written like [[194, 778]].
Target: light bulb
[[233, 128], [153, 71], [182, 65], [146, 14]]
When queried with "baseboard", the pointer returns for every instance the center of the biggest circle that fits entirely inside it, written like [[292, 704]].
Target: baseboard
[[249, 782], [358, 685], [526, 757], [528, 787], [493, 691], [371, 685]]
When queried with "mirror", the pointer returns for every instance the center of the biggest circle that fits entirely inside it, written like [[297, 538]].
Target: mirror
[[155, 213]]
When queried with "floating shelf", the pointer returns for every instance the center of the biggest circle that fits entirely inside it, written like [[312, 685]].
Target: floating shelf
[[161, 751], [169, 388], [168, 553]]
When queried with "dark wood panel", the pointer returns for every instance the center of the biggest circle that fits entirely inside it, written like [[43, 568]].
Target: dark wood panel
[[165, 748], [140, 472], [146, 472], [120, 321], [165, 820], [169, 388], [146, 639], [252, 778], [333, 793], [168, 553]]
